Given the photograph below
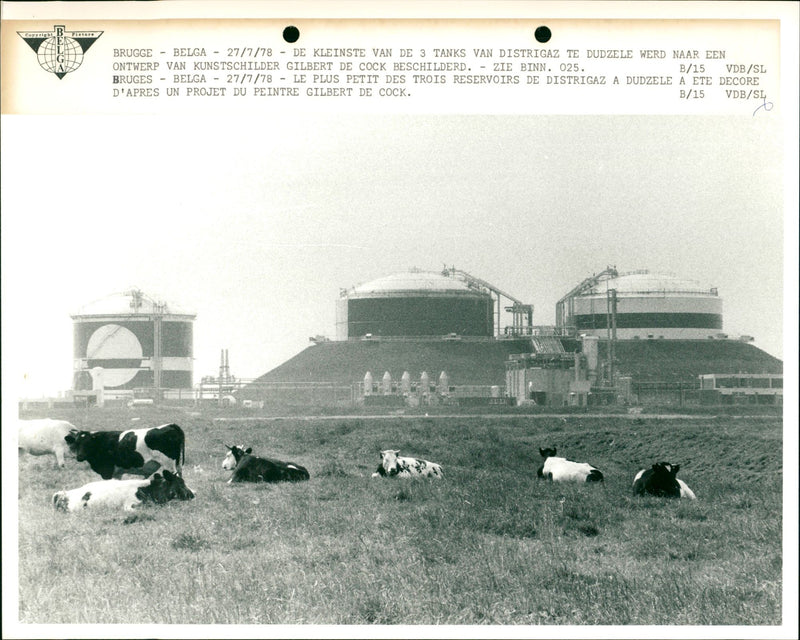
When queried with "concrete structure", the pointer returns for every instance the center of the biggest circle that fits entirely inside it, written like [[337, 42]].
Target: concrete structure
[[741, 388], [136, 341], [548, 379], [641, 305]]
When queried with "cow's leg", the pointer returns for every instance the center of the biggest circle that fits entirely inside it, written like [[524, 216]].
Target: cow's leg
[[59, 451]]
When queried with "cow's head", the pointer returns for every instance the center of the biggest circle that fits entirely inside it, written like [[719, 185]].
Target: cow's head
[[662, 482], [548, 452], [77, 443], [665, 469], [165, 488], [234, 455], [389, 458]]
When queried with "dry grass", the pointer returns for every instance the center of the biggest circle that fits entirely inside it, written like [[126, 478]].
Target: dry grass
[[489, 544]]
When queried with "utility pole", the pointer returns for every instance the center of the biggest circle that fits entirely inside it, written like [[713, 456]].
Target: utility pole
[[613, 344]]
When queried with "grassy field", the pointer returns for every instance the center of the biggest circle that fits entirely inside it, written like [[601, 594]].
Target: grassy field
[[488, 544]]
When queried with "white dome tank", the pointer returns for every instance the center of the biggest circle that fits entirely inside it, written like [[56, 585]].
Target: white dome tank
[[414, 303], [648, 306]]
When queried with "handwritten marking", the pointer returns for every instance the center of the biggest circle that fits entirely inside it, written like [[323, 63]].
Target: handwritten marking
[[767, 106]]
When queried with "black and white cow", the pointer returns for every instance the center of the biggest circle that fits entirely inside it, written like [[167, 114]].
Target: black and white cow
[[135, 451], [43, 437], [660, 480], [563, 470], [124, 494], [393, 465], [249, 468]]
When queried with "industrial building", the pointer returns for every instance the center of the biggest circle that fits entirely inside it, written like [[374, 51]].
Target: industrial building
[[639, 305], [614, 331], [129, 341], [741, 388], [548, 379]]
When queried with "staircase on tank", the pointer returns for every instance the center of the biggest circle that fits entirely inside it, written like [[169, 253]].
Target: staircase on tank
[[546, 344]]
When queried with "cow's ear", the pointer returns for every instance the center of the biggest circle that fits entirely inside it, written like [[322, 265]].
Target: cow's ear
[[168, 475], [249, 450], [675, 468]]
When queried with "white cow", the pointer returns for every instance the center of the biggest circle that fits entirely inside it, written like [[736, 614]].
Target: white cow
[[393, 465], [45, 436], [563, 470], [123, 494]]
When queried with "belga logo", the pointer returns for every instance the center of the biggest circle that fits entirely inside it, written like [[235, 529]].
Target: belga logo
[[60, 51]]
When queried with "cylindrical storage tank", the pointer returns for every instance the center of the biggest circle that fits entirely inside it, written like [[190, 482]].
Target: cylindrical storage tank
[[444, 383], [648, 306], [424, 382], [386, 383], [138, 341], [367, 383], [591, 352], [405, 382], [415, 303]]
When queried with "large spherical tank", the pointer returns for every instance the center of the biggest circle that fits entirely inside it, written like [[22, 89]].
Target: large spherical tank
[[137, 341], [650, 305], [415, 303]]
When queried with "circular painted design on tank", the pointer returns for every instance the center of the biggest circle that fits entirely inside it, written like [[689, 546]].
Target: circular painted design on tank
[[118, 351]]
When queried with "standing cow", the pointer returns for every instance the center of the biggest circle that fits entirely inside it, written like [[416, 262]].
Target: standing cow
[[135, 451], [392, 465], [249, 468], [563, 470], [660, 480], [43, 437], [124, 494]]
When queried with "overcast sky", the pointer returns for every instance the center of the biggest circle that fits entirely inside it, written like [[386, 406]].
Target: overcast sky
[[256, 223]]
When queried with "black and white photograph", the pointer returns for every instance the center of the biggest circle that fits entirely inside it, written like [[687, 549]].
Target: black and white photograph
[[312, 335]]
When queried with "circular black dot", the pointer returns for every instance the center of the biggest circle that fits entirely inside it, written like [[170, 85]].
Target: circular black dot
[[542, 34], [292, 34]]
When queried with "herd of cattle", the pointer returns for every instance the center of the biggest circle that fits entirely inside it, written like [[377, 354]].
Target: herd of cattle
[[143, 452]]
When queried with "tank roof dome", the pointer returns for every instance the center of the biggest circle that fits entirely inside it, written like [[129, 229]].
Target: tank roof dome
[[413, 281], [645, 282], [130, 302]]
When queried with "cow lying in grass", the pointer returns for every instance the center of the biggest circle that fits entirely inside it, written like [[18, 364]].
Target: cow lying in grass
[[563, 470], [249, 468], [392, 465], [124, 494], [44, 436], [660, 480]]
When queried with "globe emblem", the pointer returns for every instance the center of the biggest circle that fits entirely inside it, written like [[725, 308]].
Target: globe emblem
[[60, 55]]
